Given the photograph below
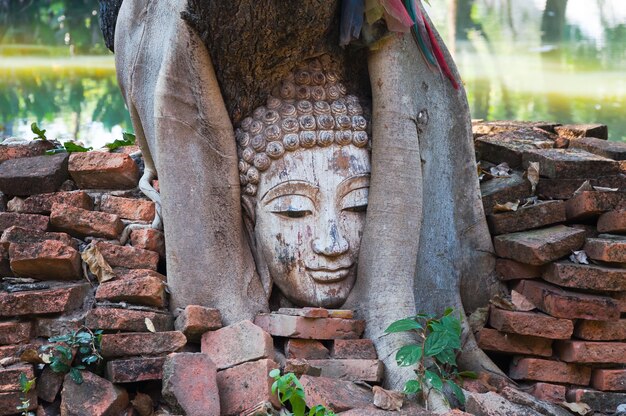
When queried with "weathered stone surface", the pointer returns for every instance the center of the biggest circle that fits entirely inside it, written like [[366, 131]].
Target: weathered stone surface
[[522, 398], [128, 208], [609, 380], [586, 276], [128, 257], [9, 376], [95, 397], [493, 404], [589, 204], [99, 170], [577, 131], [141, 343], [136, 369], [370, 371], [553, 393], [10, 400], [301, 367], [493, 340], [611, 250], [42, 203], [597, 400], [122, 273], [195, 320], [571, 163], [409, 409], [354, 349], [190, 384], [52, 326], [31, 221], [38, 302], [482, 128], [127, 320], [33, 175], [565, 188], [509, 146], [620, 298], [570, 305], [503, 190], [14, 332], [48, 260], [5, 265], [601, 330], [527, 218], [79, 222], [306, 328], [49, 384], [306, 312], [549, 371], [335, 395], [306, 349], [531, 323], [30, 149], [538, 247], [149, 239], [236, 344], [609, 149], [513, 270], [613, 222], [591, 352], [21, 235], [148, 291], [246, 385]]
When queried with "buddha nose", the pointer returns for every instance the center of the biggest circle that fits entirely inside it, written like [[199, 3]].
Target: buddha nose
[[330, 242]]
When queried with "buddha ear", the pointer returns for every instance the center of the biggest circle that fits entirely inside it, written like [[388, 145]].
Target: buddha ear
[[248, 208]]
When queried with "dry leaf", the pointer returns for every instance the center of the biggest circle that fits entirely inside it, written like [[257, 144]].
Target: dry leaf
[[586, 186], [502, 170], [32, 356], [533, 200], [143, 404], [532, 173], [150, 325], [97, 264], [579, 257], [46, 357], [507, 207], [387, 399], [478, 319], [520, 302], [502, 303], [578, 408]]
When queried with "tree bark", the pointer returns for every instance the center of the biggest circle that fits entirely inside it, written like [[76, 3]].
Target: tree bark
[[109, 9]]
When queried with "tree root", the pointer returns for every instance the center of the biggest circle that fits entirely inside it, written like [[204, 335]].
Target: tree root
[[145, 186]]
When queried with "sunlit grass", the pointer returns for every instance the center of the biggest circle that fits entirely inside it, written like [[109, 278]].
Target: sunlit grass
[[92, 66]]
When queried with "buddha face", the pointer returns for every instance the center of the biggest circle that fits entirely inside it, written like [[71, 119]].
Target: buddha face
[[310, 214]]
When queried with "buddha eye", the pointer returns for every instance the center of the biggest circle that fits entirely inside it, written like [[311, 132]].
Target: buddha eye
[[355, 201], [292, 206], [294, 213]]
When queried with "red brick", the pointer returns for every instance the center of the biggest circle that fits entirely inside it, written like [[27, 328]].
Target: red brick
[[502, 190], [306, 312], [127, 320], [21, 235], [549, 392], [589, 204], [508, 146], [300, 367], [306, 328], [482, 128], [341, 313], [128, 208], [609, 149], [245, 386], [122, 273], [95, 397], [570, 163], [30, 221], [306, 349], [613, 222], [609, 380], [335, 395], [99, 170], [601, 330], [597, 400], [527, 218], [513, 270], [29, 149], [81, 223], [570, 305], [611, 250], [5, 266], [195, 320], [149, 239], [141, 343], [565, 188], [538, 247], [128, 257], [148, 291], [13, 332], [549, 371], [42, 203], [136, 369], [620, 298], [33, 175], [354, 348], [52, 326], [9, 401], [49, 384], [492, 340], [190, 384], [577, 131], [236, 344], [586, 276], [531, 323], [591, 352], [9, 376], [48, 260], [370, 371], [38, 302]]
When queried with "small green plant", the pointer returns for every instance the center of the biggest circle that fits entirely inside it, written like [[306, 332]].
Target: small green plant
[[74, 351], [41, 134], [69, 147], [128, 140], [290, 392], [26, 386], [435, 357]]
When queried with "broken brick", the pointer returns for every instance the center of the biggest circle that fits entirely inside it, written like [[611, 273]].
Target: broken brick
[[513, 270], [100, 170], [493, 340], [10, 400], [586, 276], [29, 149], [31, 221], [610, 250], [577, 131], [48, 327], [570, 163], [128, 208], [38, 302], [613, 222], [553, 393], [122, 273], [195, 320], [48, 260], [307, 349], [530, 323], [509, 146], [127, 320], [9, 376], [141, 343], [609, 380], [601, 330], [13, 332], [336, 395], [565, 188], [149, 239], [127, 256], [307, 328], [599, 401], [502, 190], [354, 349], [246, 385], [549, 371], [591, 352], [482, 128], [609, 149], [81, 223], [33, 175], [589, 204], [42, 203], [95, 396], [527, 218], [370, 371], [136, 369], [21, 235], [148, 291], [49, 384], [236, 344]]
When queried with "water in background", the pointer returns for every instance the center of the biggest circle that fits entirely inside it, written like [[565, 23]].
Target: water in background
[[555, 60]]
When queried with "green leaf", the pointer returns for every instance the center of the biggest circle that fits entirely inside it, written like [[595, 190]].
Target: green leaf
[[274, 387], [409, 355], [66, 352], [76, 148], [433, 379], [76, 376], [90, 359], [468, 374], [60, 338], [298, 407], [129, 137], [447, 356], [41, 134], [275, 373], [412, 387], [435, 343], [84, 350], [59, 366], [457, 391], [129, 140], [402, 325]]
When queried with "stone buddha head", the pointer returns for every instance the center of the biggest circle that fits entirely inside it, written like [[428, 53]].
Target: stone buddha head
[[304, 163]]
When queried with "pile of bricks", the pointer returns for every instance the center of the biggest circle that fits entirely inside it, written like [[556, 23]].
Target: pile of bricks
[[563, 257]]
